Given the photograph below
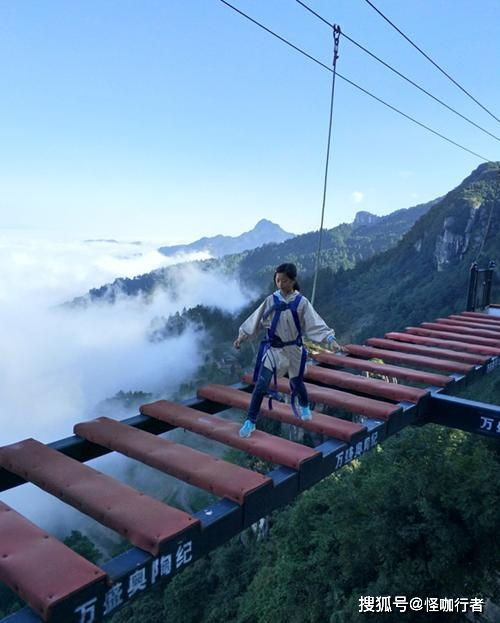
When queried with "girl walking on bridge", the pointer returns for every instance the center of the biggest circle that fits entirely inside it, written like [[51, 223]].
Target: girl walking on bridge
[[287, 316]]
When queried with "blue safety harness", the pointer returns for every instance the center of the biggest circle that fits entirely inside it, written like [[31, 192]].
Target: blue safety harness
[[274, 341]]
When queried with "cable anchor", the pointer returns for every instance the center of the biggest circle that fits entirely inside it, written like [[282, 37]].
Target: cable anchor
[[336, 38]]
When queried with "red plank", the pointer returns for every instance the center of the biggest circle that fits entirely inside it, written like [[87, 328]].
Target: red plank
[[263, 445], [375, 387], [465, 327], [320, 423], [447, 334], [142, 520], [342, 400], [430, 341], [487, 318], [192, 466], [482, 316], [475, 322], [427, 351], [403, 357], [40, 569], [417, 376]]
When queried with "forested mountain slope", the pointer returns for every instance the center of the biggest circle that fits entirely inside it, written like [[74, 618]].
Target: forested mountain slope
[[426, 274], [342, 246]]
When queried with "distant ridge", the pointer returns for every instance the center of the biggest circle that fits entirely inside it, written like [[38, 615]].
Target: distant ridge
[[111, 240], [217, 246], [343, 247]]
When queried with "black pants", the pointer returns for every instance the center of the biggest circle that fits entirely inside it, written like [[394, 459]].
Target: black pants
[[261, 387]]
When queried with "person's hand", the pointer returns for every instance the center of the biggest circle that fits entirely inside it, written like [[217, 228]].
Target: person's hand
[[237, 343], [335, 347]]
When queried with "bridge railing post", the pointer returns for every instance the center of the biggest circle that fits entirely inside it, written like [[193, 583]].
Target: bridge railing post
[[473, 300], [488, 278], [471, 294]]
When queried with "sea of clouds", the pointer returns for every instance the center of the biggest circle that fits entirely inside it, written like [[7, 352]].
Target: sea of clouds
[[58, 364]]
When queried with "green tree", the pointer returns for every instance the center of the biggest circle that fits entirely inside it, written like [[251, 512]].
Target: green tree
[[83, 545]]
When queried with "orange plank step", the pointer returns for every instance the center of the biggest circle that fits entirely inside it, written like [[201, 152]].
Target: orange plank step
[[407, 374], [475, 322], [38, 567], [427, 351], [267, 447], [448, 334], [411, 335], [320, 423], [197, 468], [375, 387], [443, 324], [144, 521], [481, 316], [334, 398], [405, 357]]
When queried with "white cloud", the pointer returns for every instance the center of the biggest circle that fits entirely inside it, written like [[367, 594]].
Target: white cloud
[[357, 196], [57, 364], [55, 270]]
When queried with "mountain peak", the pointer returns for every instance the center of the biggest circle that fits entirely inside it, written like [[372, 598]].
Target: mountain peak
[[484, 172], [264, 225], [264, 232], [364, 218]]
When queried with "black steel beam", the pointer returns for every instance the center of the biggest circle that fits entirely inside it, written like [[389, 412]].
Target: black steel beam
[[469, 415]]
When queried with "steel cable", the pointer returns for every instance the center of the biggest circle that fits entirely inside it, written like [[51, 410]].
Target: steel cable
[[431, 61], [401, 75], [309, 56]]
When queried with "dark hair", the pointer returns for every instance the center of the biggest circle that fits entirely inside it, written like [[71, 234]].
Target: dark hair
[[290, 270]]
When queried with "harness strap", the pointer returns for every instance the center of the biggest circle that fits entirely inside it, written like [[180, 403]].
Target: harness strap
[[274, 341], [299, 377], [278, 307], [293, 306]]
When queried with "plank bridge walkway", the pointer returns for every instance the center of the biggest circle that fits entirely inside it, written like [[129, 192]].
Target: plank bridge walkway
[[425, 363]]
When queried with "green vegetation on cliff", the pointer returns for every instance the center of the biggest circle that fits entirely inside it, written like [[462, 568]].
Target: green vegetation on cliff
[[426, 274], [416, 517]]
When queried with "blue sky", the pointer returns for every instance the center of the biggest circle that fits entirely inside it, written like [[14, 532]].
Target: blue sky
[[175, 119]]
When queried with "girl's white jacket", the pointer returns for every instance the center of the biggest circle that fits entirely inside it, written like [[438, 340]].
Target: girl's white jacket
[[286, 359]]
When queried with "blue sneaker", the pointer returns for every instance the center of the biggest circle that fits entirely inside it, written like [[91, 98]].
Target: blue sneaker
[[247, 429], [305, 413]]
